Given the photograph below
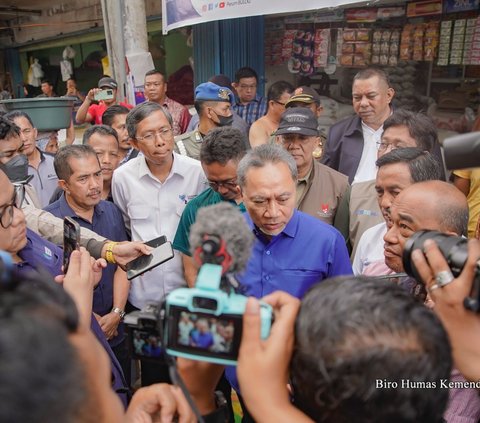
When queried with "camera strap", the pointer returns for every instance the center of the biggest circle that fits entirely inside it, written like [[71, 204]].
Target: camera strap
[[177, 380]]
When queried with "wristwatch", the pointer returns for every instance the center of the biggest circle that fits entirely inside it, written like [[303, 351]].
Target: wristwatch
[[119, 311]]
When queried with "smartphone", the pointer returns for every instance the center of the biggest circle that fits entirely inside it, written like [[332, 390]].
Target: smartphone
[[156, 242], [71, 240], [103, 95], [144, 263]]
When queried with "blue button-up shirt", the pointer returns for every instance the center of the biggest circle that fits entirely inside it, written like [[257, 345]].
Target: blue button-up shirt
[[304, 253], [251, 111], [107, 221], [40, 254]]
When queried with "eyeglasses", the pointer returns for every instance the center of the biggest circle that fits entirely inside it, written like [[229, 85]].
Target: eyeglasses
[[231, 184], [279, 102], [248, 87], [163, 133], [384, 146], [6, 215]]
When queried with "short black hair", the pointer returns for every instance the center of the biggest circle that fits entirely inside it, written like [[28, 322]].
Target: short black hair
[[277, 89], [46, 81], [423, 165], [368, 73], [109, 114], [354, 334], [61, 163], [8, 129], [223, 144], [14, 114], [156, 72], [420, 127], [245, 72], [98, 129]]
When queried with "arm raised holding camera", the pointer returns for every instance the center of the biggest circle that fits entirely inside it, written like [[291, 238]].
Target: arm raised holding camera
[[462, 325], [263, 364]]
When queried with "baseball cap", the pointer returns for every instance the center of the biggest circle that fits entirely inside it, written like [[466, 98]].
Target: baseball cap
[[208, 91], [107, 82], [298, 120], [305, 95]]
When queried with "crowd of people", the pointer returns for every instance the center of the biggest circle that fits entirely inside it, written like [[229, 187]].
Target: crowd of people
[[354, 337]]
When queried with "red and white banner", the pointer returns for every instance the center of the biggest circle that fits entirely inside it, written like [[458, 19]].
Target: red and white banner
[[178, 13]]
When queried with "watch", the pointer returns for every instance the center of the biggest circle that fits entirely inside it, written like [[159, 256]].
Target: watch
[[119, 311]]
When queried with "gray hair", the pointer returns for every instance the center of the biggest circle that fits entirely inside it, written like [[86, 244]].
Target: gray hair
[[141, 112], [262, 155]]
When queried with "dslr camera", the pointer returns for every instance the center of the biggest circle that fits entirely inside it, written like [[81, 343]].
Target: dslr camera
[[455, 251], [202, 323]]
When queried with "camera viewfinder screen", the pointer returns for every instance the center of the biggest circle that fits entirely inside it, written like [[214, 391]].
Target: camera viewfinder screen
[[146, 344], [207, 335]]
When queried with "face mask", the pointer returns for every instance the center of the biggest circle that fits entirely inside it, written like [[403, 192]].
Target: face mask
[[224, 120], [17, 168]]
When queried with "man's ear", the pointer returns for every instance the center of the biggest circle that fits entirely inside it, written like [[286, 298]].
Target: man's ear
[[64, 185], [133, 142]]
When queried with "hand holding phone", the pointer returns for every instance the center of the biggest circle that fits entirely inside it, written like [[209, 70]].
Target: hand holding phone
[[103, 95], [162, 252], [71, 240]]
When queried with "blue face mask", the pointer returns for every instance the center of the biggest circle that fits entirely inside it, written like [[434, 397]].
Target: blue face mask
[[17, 168]]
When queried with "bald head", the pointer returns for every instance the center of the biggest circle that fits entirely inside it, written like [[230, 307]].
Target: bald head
[[436, 201]]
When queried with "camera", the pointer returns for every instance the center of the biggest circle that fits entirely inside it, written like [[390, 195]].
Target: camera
[[202, 323], [455, 251]]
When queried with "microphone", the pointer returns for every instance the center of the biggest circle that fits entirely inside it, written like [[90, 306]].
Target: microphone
[[220, 235], [462, 151]]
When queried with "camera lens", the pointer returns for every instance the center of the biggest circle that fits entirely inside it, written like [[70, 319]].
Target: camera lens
[[204, 303], [453, 248]]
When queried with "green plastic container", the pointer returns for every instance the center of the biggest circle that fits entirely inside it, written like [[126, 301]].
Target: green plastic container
[[47, 114]]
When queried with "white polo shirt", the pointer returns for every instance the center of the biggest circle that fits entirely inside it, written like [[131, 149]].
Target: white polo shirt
[[150, 209]]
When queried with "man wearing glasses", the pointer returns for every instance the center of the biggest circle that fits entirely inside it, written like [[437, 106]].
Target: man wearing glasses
[[222, 150], [402, 129], [40, 163], [248, 104], [263, 130], [152, 192]]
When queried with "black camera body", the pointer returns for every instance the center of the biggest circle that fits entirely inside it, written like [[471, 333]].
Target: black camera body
[[455, 251]]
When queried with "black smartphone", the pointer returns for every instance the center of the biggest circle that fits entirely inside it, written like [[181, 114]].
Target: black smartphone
[[142, 264], [156, 242], [71, 240]]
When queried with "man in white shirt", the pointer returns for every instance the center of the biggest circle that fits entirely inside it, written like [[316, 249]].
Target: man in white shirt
[[352, 143], [152, 191]]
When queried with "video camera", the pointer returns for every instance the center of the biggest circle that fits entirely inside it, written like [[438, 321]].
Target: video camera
[[202, 323]]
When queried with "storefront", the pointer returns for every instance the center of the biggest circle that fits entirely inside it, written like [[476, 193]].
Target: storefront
[[430, 49]]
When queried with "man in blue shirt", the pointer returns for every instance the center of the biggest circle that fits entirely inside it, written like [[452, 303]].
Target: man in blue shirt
[[248, 104], [293, 250], [80, 177], [31, 253]]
